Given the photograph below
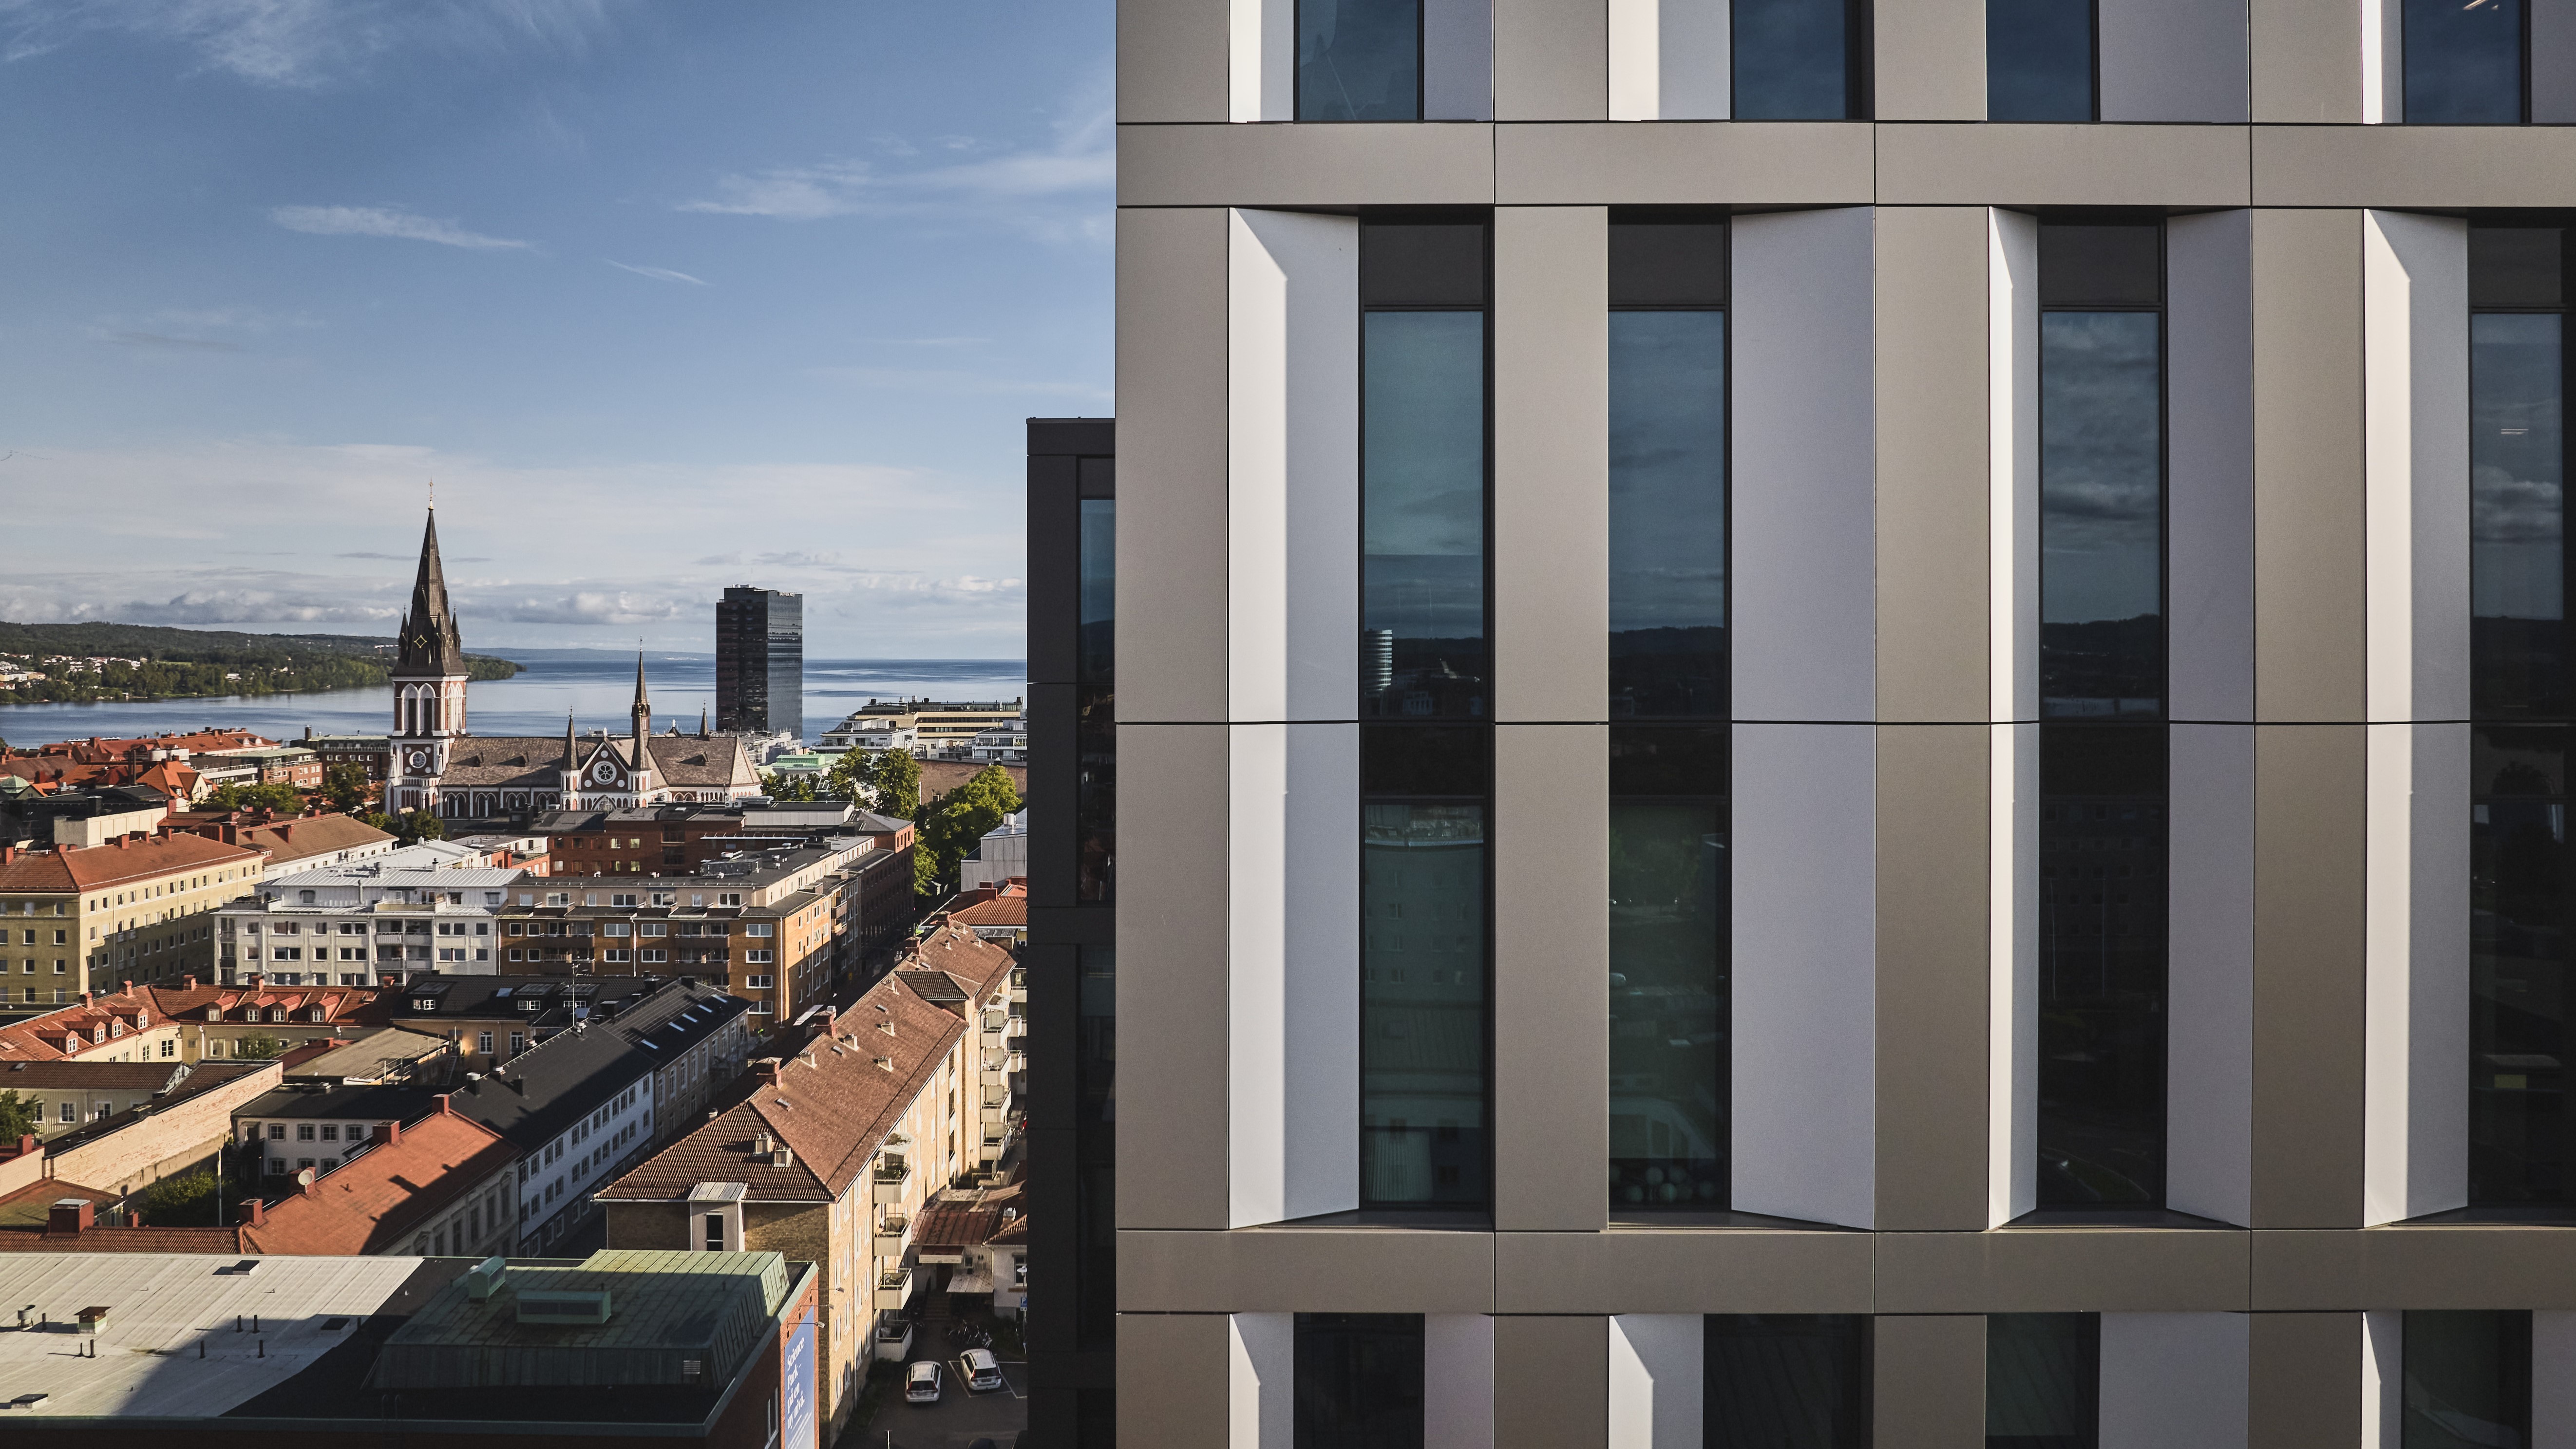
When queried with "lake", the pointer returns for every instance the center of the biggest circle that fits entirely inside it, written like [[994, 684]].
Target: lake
[[596, 687]]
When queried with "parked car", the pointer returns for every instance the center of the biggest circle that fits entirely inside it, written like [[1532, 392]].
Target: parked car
[[980, 1370], [921, 1383]]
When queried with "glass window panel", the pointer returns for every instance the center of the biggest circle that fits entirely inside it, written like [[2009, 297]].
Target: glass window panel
[[1098, 545], [1786, 1381], [2101, 486], [2463, 62], [1668, 264], [1422, 264], [1423, 1077], [2517, 514], [2519, 866], [2043, 1380], [1792, 60], [1359, 1381], [1670, 894], [1359, 60], [1668, 651], [1095, 794], [2101, 266], [2515, 266], [2039, 60], [2468, 1380], [1422, 461]]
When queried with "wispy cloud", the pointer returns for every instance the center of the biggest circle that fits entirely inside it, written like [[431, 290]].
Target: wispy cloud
[[659, 274], [309, 43], [387, 221], [162, 342]]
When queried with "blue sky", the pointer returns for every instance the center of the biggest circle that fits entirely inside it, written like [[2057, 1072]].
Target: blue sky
[[665, 296]]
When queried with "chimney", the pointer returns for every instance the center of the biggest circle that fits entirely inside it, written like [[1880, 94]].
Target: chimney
[[73, 1215], [129, 987], [8, 853], [446, 1104], [191, 982], [393, 1130], [254, 1213], [768, 1068], [26, 1143], [124, 841]]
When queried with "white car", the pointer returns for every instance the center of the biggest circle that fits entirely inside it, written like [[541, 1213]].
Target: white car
[[980, 1370], [921, 1383]]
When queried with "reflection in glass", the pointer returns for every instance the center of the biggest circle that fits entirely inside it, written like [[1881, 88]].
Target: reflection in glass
[[1422, 966], [1359, 60], [1095, 794], [2101, 492], [1422, 468], [2102, 934], [1668, 513], [2039, 60], [1786, 1381], [1096, 1145], [1669, 900], [1359, 1381], [2463, 62], [2468, 1380], [1095, 656], [1792, 60], [2519, 1125], [2043, 1380], [2517, 514]]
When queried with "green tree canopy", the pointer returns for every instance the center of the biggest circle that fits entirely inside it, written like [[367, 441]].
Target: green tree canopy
[[184, 1201], [894, 784], [346, 787], [420, 825], [952, 825], [792, 789], [258, 1047], [282, 798], [17, 1115]]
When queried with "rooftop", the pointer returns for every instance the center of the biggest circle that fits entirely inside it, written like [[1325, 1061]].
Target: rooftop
[[562, 1079], [370, 1203], [128, 858]]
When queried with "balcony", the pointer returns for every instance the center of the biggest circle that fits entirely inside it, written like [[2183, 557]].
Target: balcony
[[890, 1237], [1019, 985], [887, 1182], [893, 1289]]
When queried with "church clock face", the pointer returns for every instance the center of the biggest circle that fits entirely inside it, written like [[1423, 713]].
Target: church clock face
[[420, 759]]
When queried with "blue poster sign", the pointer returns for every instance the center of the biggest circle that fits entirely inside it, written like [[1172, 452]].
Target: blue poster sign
[[798, 1420]]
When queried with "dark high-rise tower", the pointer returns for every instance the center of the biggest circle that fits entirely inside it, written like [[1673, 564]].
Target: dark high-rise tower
[[760, 662]]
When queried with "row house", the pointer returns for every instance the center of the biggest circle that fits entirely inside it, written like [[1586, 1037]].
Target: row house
[[139, 906], [185, 1022]]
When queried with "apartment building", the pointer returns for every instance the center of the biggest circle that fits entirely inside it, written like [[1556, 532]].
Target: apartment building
[[135, 1137], [138, 907], [942, 729], [427, 907], [837, 1150], [1876, 686], [440, 1186]]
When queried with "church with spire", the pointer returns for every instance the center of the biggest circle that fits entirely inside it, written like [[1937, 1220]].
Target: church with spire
[[441, 767]]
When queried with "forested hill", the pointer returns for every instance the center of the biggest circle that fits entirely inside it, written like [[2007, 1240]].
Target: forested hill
[[156, 663]]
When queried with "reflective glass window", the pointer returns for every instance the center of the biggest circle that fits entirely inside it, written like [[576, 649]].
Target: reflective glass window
[[1669, 932], [1424, 1080], [2039, 60], [1096, 655], [1668, 471], [1786, 1381], [2468, 1380], [1359, 60], [2464, 63], [1096, 1147], [2043, 1380], [1358, 1381], [1796, 60]]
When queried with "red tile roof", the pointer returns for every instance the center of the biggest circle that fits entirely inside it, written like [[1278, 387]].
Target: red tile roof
[[71, 1030], [131, 858], [974, 1217], [997, 912], [23, 1227], [370, 1203]]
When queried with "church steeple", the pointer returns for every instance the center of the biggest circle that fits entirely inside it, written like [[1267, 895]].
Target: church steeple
[[430, 647], [641, 712]]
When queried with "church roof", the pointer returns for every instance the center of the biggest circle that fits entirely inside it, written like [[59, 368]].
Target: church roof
[[489, 762], [430, 644]]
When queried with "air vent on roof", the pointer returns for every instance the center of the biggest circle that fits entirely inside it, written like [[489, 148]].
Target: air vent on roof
[[558, 1305]]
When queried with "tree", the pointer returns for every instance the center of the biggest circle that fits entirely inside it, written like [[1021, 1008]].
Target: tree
[[379, 820], [952, 826], [847, 779], [795, 789], [281, 798], [346, 787], [18, 1116], [894, 784], [258, 1047], [184, 1201], [420, 825]]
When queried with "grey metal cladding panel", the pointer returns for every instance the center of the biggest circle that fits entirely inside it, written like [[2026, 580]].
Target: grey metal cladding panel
[[2309, 798], [1172, 950], [1551, 1383], [2304, 1373], [2415, 166], [2309, 661], [1173, 59], [1305, 1270], [1551, 463], [2036, 164], [2062, 1270], [1932, 464], [2306, 61], [1928, 1382], [1675, 163], [1931, 60], [2172, 60], [2484, 1266], [1445, 163], [1173, 1380], [1933, 977], [1682, 1270], [2209, 314], [1551, 60], [1551, 969], [1171, 354]]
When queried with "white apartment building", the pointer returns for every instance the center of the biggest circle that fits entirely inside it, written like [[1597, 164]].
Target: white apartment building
[[372, 922]]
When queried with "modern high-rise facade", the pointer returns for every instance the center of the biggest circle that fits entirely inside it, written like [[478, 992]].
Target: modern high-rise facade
[[1845, 724], [760, 662]]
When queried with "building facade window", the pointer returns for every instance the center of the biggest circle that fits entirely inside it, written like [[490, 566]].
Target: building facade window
[[1359, 60], [1799, 60], [1095, 683], [1095, 1146], [1786, 1381], [2520, 1131], [2466, 65], [2102, 925], [2468, 1378], [1425, 746], [1358, 1380], [2040, 61], [2043, 1380]]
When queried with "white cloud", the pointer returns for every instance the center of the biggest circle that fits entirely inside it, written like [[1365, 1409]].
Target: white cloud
[[659, 274], [386, 221], [791, 193], [308, 43], [163, 342]]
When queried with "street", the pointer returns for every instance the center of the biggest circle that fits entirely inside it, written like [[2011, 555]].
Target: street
[[957, 1420]]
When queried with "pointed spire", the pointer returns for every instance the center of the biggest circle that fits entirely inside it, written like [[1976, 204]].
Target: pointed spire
[[569, 761], [643, 705], [429, 645], [702, 721]]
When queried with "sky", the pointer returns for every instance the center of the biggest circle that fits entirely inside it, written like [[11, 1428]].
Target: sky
[[663, 297]]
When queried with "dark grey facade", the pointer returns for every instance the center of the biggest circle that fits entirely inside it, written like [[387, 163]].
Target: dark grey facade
[[760, 662]]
